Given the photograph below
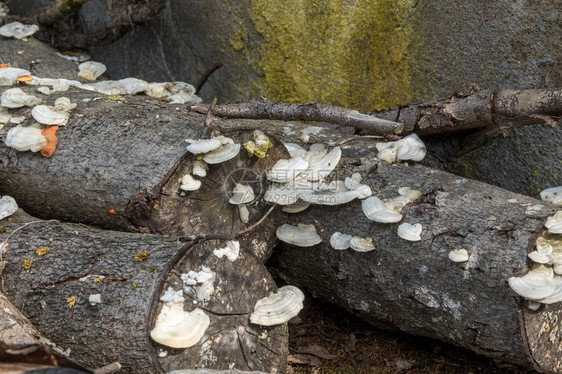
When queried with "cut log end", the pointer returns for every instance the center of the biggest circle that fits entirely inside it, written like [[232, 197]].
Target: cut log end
[[230, 341]]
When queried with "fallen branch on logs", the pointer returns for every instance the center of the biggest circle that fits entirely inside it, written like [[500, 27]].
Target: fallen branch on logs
[[97, 293], [499, 110], [317, 112]]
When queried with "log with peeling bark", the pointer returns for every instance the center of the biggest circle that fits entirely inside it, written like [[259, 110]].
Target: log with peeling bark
[[486, 109], [414, 286], [119, 165], [53, 268], [23, 349]]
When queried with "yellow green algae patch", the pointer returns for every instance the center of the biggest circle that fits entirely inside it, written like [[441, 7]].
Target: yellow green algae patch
[[349, 53]]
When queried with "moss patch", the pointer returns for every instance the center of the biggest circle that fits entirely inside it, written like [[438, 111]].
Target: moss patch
[[349, 53]]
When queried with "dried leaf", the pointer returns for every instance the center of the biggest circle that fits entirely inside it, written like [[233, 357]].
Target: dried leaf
[[300, 359], [317, 351]]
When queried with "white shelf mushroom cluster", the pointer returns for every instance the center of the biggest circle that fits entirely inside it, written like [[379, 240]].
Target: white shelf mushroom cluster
[[389, 210], [341, 242], [300, 180], [30, 138], [199, 285], [209, 151], [543, 284], [279, 307], [408, 148], [8, 206], [554, 195], [91, 70], [301, 235], [18, 30]]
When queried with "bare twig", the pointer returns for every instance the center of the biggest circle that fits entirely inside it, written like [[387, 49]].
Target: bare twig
[[360, 137], [480, 110], [206, 75], [305, 112], [247, 229]]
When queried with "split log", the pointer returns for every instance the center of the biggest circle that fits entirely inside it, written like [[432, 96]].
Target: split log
[[119, 165], [52, 287], [413, 286], [22, 348]]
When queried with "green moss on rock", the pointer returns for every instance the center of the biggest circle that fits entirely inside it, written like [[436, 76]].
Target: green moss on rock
[[349, 53]]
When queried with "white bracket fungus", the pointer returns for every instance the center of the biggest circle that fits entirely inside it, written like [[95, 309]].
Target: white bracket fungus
[[26, 138], [361, 244], [8, 206], [16, 98], [91, 70], [295, 150], [222, 154], [48, 116], [319, 169], [188, 183], [201, 283], [8, 76], [286, 170], [200, 168], [554, 223], [389, 210], [340, 241], [377, 211], [459, 255], [279, 307], [410, 232], [301, 235], [554, 194], [295, 208], [540, 284], [18, 30], [94, 299], [203, 145], [408, 148], [126, 86], [177, 328], [231, 251], [63, 104], [171, 296], [243, 213], [242, 194]]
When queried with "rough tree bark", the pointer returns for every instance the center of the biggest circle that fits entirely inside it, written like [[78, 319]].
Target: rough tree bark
[[22, 348], [82, 261], [119, 164], [413, 286]]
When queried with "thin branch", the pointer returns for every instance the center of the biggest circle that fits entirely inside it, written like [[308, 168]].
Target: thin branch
[[206, 75], [305, 112], [247, 229]]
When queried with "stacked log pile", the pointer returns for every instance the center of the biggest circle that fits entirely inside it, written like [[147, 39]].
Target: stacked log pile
[[97, 284]]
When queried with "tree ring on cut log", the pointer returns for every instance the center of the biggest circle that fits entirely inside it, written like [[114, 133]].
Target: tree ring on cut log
[[230, 338]]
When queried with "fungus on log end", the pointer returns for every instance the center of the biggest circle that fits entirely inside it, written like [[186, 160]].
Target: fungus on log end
[[230, 341], [414, 286], [130, 273], [119, 164]]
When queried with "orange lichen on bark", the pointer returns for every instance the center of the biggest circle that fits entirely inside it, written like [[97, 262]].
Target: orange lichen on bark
[[52, 141]]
